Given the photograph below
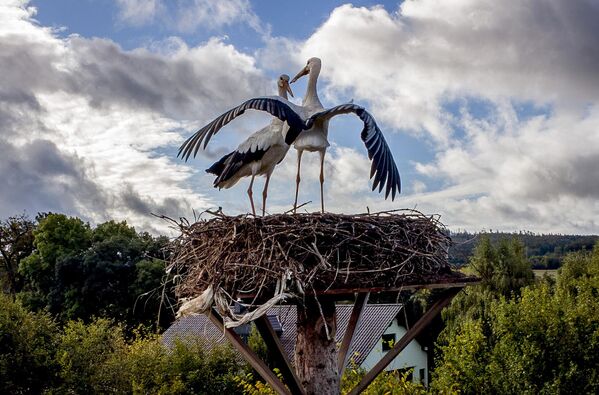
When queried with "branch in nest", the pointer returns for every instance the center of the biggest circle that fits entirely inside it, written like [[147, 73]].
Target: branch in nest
[[308, 251]]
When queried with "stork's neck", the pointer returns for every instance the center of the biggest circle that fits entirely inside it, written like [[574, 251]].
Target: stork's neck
[[283, 92], [311, 97]]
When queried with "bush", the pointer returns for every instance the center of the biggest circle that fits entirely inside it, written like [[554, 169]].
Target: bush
[[387, 383], [27, 347], [86, 355], [545, 341], [96, 358]]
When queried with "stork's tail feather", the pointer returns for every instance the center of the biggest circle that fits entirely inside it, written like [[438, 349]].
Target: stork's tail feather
[[228, 166], [218, 167]]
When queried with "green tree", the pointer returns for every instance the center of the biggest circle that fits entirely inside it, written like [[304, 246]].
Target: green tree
[[111, 230], [56, 237], [16, 243], [116, 277], [386, 383], [27, 348], [257, 344], [96, 282], [464, 362], [85, 355], [151, 293], [77, 272], [503, 270], [97, 358], [545, 341]]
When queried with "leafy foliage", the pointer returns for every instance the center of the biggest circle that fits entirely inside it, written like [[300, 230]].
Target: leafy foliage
[[85, 353], [36, 356], [96, 358], [257, 345], [27, 347], [506, 335], [504, 271], [56, 237], [16, 243], [77, 272], [250, 386], [544, 341], [388, 383], [391, 383], [544, 251]]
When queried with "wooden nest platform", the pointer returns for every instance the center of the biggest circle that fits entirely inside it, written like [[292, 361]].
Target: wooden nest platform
[[264, 260]]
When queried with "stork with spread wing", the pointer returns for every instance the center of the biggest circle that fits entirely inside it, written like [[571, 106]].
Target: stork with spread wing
[[307, 130]]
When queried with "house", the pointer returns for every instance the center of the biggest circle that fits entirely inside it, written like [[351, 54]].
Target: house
[[379, 328]]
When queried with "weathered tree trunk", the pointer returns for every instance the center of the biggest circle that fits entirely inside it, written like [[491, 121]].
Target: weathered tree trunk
[[315, 352]]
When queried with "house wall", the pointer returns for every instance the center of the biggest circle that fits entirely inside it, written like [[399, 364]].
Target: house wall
[[411, 357]]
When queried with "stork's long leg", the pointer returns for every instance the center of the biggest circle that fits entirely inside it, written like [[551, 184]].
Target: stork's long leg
[[265, 193], [250, 194], [322, 179], [297, 179]]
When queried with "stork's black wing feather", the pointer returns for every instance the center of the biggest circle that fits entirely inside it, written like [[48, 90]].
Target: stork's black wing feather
[[383, 167], [276, 106], [230, 164], [218, 167]]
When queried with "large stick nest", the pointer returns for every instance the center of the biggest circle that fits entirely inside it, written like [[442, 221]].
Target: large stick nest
[[253, 258]]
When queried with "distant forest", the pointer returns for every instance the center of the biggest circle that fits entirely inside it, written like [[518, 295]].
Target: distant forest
[[544, 251]]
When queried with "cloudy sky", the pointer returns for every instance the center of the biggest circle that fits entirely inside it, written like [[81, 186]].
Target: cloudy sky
[[491, 108]]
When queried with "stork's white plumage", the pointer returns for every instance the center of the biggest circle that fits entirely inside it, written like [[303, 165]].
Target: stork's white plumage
[[308, 131], [257, 155], [315, 137]]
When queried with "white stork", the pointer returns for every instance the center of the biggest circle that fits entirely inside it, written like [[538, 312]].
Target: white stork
[[257, 155], [308, 126]]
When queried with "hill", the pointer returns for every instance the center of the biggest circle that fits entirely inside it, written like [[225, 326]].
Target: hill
[[545, 251]]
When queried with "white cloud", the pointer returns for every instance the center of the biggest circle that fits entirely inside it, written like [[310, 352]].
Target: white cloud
[[504, 169], [90, 129], [541, 174], [187, 16], [418, 186], [346, 184], [106, 121], [138, 12], [409, 63], [213, 14]]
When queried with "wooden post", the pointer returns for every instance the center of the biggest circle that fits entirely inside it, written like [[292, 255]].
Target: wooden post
[[354, 321], [435, 309], [249, 355], [315, 348], [275, 348]]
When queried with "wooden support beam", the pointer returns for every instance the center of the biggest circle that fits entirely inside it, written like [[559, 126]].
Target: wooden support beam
[[259, 365], [354, 320], [348, 293], [435, 309], [276, 350], [344, 293]]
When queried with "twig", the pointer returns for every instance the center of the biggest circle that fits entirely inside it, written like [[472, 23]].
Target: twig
[[245, 256]]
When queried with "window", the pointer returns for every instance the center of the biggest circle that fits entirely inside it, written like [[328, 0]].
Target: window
[[388, 341]]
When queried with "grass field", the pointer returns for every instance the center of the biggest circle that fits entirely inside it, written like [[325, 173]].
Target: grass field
[[540, 273]]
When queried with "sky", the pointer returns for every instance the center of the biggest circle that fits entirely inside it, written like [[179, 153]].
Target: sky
[[491, 109]]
